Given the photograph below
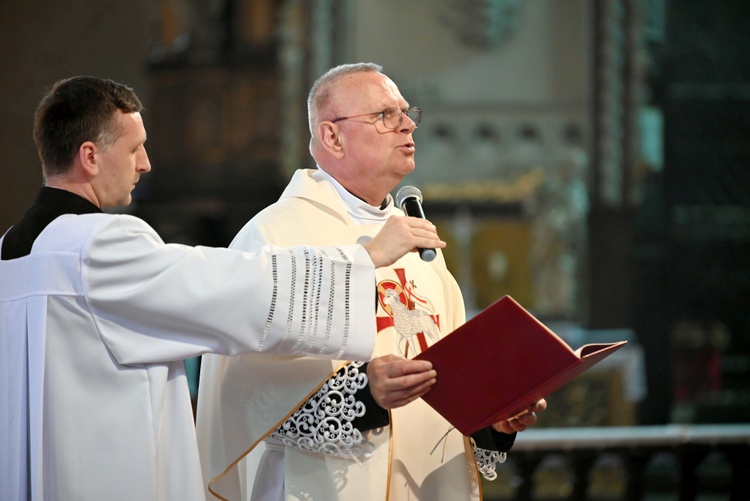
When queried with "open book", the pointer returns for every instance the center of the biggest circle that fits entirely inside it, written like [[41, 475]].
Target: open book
[[501, 362]]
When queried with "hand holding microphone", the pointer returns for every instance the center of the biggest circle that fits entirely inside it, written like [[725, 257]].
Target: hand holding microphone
[[409, 200]]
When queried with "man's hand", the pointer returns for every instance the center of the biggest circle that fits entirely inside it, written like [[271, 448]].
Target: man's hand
[[521, 421], [399, 235], [395, 381]]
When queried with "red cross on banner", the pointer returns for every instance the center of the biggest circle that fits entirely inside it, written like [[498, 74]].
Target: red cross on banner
[[406, 296]]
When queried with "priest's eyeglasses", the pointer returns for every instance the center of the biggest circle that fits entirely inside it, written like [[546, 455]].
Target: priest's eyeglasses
[[392, 117]]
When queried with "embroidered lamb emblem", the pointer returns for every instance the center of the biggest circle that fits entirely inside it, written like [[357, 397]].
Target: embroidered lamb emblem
[[409, 323]]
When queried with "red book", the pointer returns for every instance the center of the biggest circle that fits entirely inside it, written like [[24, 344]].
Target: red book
[[501, 362]]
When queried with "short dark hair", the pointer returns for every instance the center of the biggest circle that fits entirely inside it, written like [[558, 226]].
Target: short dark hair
[[77, 110]]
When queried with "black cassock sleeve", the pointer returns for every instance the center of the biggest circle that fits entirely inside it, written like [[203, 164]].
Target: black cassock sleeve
[[490, 439], [375, 416]]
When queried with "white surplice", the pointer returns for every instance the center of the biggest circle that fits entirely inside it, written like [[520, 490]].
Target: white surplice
[[95, 324], [241, 403]]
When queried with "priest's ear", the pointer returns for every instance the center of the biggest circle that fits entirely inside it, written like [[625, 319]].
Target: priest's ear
[[88, 158], [331, 138]]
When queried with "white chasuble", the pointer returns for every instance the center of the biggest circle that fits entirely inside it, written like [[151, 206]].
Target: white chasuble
[[95, 324], [243, 401]]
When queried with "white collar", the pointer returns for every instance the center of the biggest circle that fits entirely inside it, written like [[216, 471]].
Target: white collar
[[359, 210]]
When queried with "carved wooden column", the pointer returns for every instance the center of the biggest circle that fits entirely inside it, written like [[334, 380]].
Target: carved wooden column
[[616, 84]]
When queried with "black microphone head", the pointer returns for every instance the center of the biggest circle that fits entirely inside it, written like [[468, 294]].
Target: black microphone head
[[407, 192]]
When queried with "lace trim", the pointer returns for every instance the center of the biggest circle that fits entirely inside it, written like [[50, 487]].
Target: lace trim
[[274, 297], [324, 423], [487, 460]]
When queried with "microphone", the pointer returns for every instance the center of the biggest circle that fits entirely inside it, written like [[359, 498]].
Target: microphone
[[409, 200]]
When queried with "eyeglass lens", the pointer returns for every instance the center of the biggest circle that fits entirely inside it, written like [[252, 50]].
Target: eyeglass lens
[[394, 118]]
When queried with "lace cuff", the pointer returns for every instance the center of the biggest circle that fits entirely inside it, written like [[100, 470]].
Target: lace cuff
[[324, 423], [487, 460]]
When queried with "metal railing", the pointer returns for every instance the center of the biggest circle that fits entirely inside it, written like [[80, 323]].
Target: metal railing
[[671, 462]]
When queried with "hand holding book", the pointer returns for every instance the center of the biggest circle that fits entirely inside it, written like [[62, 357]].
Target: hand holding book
[[521, 421]]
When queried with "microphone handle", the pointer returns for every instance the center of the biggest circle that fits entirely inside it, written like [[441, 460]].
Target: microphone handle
[[413, 208]]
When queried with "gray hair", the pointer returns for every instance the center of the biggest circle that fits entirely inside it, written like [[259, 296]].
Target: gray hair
[[321, 91]]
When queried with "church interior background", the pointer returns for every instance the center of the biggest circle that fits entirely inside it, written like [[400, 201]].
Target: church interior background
[[589, 158]]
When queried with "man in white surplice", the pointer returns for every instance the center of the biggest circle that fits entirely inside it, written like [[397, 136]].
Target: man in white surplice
[[324, 430], [97, 314]]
